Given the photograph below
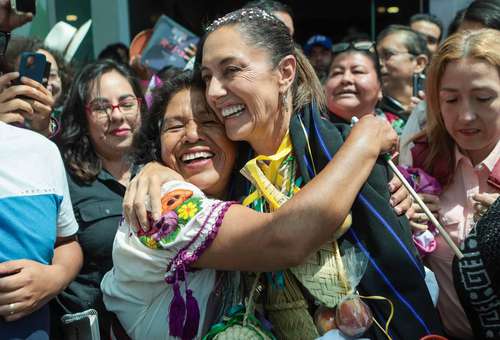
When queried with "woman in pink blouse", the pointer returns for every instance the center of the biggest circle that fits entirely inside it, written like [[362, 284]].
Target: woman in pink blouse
[[461, 150]]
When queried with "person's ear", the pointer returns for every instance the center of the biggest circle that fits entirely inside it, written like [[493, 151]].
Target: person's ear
[[422, 60], [286, 72]]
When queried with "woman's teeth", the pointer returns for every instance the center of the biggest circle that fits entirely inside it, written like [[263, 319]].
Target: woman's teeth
[[232, 110], [195, 155]]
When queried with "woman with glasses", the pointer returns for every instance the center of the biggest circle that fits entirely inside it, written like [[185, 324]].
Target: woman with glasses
[[402, 53], [100, 116]]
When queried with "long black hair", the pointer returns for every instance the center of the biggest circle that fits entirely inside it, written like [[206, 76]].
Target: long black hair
[[77, 150], [146, 146]]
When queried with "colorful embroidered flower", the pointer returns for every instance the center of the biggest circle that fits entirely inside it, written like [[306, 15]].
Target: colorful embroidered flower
[[149, 242], [188, 210], [166, 225], [173, 199]]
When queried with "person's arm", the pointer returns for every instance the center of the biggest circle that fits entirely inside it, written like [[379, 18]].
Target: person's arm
[[252, 241], [26, 285]]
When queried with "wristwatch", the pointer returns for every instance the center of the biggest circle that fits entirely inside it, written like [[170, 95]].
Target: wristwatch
[[4, 41]]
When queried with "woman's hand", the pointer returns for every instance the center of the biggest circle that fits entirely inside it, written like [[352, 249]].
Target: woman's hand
[[146, 183], [400, 200], [376, 132], [418, 219], [482, 203], [28, 101]]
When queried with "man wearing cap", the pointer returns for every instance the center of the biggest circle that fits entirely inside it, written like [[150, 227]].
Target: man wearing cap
[[319, 51]]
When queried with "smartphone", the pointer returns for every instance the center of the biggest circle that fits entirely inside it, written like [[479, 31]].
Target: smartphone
[[418, 82], [46, 74], [33, 65], [24, 6]]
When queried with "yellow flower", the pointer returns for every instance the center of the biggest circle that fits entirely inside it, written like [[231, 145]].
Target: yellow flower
[[150, 243], [187, 210]]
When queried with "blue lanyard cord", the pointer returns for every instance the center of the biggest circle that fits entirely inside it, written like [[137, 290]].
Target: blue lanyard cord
[[412, 258], [365, 202], [374, 211]]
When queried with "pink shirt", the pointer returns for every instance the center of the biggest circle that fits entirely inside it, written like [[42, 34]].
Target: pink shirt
[[457, 216]]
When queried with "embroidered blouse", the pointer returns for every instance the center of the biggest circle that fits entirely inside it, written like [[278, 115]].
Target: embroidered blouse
[[153, 269]]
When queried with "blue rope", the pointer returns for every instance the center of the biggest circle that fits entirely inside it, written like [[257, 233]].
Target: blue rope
[[365, 202]]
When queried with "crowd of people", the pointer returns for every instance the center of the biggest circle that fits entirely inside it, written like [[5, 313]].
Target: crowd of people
[[251, 194]]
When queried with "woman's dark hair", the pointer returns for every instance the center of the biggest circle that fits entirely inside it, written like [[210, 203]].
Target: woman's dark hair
[[270, 6], [117, 52], [263, 30], [146, 146], [456, 22], [414, 42], [76, 147], [485, 12]]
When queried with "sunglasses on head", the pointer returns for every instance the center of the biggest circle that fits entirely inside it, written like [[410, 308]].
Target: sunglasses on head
[[358, 45]]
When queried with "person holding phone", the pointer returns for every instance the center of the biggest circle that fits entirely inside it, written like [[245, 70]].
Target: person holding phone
[[28, 101], [402, 53], [39, 254]]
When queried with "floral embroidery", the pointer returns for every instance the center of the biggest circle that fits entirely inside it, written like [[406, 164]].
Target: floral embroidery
[[173, 199], [187, 210], [149, 242], [163, 232]]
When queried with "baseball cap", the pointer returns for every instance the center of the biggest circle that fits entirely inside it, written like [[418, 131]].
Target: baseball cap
[[317, 39]]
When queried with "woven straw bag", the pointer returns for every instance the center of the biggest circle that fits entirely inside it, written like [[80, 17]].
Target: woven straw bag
[[242, 326], [324, 276]]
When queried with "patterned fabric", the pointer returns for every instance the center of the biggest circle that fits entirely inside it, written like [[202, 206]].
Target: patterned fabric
[[477, 275], [384, 237], [135, 289]]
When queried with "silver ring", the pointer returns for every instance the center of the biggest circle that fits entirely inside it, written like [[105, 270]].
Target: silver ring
[[11, 309]]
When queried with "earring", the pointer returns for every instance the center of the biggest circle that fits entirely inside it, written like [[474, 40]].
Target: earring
[[283, 99]]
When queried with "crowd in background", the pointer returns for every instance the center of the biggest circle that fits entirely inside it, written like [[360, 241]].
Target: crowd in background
[[177, 203]]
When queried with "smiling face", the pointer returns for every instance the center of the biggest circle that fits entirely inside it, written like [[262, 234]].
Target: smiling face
[[352, 88], [112, 134], [469, 99], [242, 87], [194, 143]]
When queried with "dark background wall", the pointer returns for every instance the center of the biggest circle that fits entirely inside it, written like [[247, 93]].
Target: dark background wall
[[332, 18]]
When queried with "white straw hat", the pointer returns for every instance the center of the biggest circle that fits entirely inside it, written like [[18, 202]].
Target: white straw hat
[[65, 38]]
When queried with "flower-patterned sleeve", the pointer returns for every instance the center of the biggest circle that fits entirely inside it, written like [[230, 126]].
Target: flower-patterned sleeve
[[188, 225]]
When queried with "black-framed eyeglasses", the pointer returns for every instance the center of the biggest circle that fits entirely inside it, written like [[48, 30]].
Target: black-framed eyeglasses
[[368, 46]]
